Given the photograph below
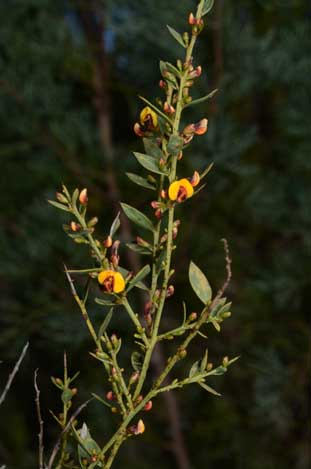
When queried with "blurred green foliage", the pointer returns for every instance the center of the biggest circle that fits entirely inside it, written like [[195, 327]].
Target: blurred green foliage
[[258, 197]]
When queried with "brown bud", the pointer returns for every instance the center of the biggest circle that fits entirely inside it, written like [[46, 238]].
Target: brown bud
[[134, 377], [148, 406], [110, 396], [74, 391], [195, 179], [155, 204], [163, 194], [108, 242], [168, 108], [139, 399], [83, 198], [193, 316], [75, 226], [191, 19], [162, 84], [158, 213], [138, 131]]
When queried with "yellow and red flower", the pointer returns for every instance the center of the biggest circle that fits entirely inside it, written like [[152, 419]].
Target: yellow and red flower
[[112, 281], [148, 121], [180, 190]]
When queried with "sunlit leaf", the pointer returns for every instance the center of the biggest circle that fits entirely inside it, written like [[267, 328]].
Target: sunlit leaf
[[177, 36], [137, 217], [199, 283], [149, 162], [140, 181]]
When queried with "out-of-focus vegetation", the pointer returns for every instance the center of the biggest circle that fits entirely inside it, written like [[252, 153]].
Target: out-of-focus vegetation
[[258, 196]]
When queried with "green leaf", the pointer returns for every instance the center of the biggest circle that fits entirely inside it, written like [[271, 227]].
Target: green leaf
[[75, 196], [100, 399], [105, 323], [67, 396], [140, 285], [203, 362], [194, 369], [233, 360], [137, 217], [175, 144], [220, 370], [176, 36], [201, 100], [140, 249], [139, 277], [137, 361], [58, 205], [104, 302], [152, 148], [209, 389], [206, 171], [207, 6], [149, 162], [199, 283], [140, 181], [115, 225], [172, 69]]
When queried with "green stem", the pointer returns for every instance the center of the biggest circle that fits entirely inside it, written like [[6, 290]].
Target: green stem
[[135, 320]]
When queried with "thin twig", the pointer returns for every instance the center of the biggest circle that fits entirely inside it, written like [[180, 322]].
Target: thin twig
[[222, 290], [12, 375], [40, 434], [70, 421]]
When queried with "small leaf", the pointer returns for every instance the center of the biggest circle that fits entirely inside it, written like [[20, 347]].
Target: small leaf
[[75, 196], [149, 162], [199, 283], [140, 181], [175, 144], [194, 369], [233, 360], [105, 323], [206, 171], [152, 148], [115, 225], [202, 99], [140, 249], [137, 361], [216, 325], [140, 285], [220, 370], [58, 205], [207, 6], [172, 69], [176, 36], [103, 302], [137, 217], [204, 362], [139, 277], [100, 399], [209, 389]]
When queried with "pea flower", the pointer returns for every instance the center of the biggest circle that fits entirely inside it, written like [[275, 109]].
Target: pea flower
[[112, 281], [180, 190], [148, 121]]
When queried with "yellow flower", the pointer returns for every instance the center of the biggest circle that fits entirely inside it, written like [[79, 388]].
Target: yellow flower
[[180, 190], [112, 281], [140, 428], [148, 118]]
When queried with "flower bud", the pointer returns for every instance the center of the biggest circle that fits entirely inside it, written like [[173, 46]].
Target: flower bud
[[138, 130], [158, 213], [193, 316], [163, 194], [139, 399], [162, 84], [155, 204], [75, 226], [110, 396], [141, 242], [195, 73], [225, 361], [134, 377], [114, 340], [61, 198], [108, 242], [83, 198], [168, 108], [209, 366], [194, 181], [74, 391], [191, 19], [148, 406]]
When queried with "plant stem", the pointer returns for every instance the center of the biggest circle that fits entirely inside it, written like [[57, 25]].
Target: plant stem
[[135, 320]]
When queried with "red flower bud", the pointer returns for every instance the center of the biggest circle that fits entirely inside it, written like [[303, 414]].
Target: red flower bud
[[83, 198], [148, 406]]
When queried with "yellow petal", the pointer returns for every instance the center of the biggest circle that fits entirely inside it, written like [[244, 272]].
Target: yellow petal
[[146, 113], [103, 275], [173, 190], [140, 427], [187, 185], [119, 283]]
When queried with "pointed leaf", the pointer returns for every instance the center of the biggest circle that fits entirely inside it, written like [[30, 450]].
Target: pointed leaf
[[209, 389], [137, 217], [194, 369], [199, 283], [100, 399], [105, 323], [115, 225], [140, 285], [103, 302], [206, 171], [58, 205], [140, 249], [139, 277], [176, 35], [149, 162], [75, 196], [201, 100], [203, 363], [140, 181], [152, 148], [137, 361], [207, 6]]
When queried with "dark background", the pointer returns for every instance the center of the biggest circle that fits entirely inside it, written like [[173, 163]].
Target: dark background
[[65, 76]]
